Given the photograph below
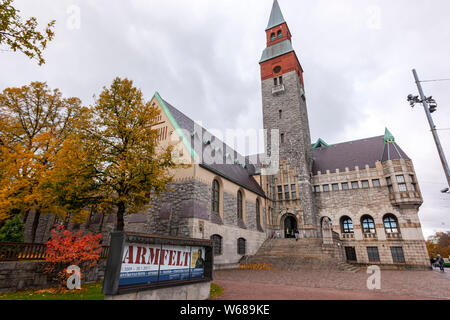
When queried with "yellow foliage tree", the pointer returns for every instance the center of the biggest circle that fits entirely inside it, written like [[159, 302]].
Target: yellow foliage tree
[[34, 124], [115, 162]]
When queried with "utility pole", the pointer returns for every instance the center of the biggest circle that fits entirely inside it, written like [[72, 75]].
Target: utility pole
[[428, 110]]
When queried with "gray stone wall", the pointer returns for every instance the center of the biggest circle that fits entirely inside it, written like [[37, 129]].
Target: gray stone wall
[[29, 275], [294, 124]]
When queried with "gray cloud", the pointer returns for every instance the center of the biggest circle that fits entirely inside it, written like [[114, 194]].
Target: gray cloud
[[202, 56]]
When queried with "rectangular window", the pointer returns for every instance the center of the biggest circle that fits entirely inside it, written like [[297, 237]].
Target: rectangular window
[[294, 195], [397, 254], [286, 192], [376, 183], [402, 187], [414, 188], [391, 189], [275, 81], [355, 185], [326, 188], [389, 180], [373, 254], [365, 183], [280, 80], [411, 177], [317, 189], [345, 186], [335, 187], [401, 179], [282, 138], [280, 193], [293, 187]]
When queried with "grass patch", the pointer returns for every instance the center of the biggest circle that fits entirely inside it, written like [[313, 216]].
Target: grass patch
[[216, 291], [92, 291]]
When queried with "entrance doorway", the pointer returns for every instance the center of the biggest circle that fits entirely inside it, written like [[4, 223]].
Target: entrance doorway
[[290, 225]]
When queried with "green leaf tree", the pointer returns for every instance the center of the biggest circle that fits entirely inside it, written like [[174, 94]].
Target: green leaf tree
[[12, 231], [21, 35]]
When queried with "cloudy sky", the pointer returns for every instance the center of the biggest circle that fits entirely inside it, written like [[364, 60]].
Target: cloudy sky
[[202, 56]]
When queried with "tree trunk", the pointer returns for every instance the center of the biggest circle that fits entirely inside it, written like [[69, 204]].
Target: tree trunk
[[35, 225], [25, 218], [120, 220]]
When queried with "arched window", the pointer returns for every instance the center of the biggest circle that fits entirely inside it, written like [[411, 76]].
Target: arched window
[[347, 225], [215, 197], [258, 214], [241, 246], [280, 34], [390, 223], [368, 224], [240, 213], [272, 36], [217, 244]]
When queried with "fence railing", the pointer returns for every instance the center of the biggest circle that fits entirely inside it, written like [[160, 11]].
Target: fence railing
[[12, 251]]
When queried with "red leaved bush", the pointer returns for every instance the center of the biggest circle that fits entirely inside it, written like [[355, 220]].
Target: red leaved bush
[[66, 248]]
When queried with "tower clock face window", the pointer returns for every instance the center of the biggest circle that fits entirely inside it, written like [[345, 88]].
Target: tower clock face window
[[277, 69]]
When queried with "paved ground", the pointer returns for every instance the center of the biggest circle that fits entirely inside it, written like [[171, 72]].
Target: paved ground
[[326, 285]]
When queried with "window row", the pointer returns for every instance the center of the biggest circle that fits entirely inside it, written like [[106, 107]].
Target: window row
[[368, 224], [215, 203], [401, 182], [373, 254], [218, 243], [347, 186], [287, 192]]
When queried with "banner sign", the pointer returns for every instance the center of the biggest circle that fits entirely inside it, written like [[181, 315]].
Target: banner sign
[[147, 260]]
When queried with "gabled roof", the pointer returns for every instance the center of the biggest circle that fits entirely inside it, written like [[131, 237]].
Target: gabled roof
[[355, 153], [276, 17], [320, 144], [238, 173]]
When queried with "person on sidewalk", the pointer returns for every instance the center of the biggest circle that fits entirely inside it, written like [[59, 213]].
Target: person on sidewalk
[[297, 234], [432, 261], [441, 262]]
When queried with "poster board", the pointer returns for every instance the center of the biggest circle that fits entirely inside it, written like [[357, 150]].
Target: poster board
[[144, 262]]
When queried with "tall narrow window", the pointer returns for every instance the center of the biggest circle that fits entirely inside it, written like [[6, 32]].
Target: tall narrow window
[[397, 254], [280, 113], [215, 197], [280, 193], [282, 138], [280, 34], [275, 81], [239, 205], [347, 225], [286, 193], [272, 37], [258, 214], [280, 81], [373, 254], [241, 246], [217, 244]]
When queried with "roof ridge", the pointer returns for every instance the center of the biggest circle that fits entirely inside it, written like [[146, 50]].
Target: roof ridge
[[335, 144]]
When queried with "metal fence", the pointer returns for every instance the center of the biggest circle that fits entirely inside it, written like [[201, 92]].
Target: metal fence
[[12, 251]]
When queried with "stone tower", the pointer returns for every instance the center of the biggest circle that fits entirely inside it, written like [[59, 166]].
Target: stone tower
[[284, 109]]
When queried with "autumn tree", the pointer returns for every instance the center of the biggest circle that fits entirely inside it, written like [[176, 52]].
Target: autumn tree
[[120, 146], [34, 125], [21, 35]]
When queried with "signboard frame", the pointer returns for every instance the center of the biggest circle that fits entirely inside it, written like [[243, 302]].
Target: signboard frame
[[121, 240]]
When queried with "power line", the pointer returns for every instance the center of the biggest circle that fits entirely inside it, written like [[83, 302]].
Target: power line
[[435, 80]]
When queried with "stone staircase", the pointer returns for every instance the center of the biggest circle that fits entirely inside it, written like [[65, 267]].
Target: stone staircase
[[304, 254]]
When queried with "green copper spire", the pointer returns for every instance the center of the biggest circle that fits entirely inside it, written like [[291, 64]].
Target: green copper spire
[[276, 17], [320, 144], [388, 137]]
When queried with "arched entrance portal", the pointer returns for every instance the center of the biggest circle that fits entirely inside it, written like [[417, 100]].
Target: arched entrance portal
[[290, 225]]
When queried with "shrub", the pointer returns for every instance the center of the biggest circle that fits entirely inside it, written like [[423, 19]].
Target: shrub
[[66, 248], [12, 231]]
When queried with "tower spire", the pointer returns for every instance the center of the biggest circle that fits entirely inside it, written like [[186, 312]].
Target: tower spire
[[276, 17]]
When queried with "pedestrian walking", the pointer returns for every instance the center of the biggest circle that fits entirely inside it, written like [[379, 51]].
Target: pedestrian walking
[[432, 261], [440, 262], [297, 234]]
